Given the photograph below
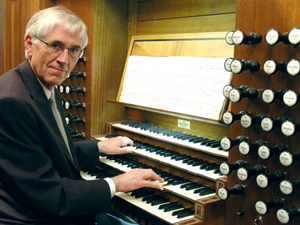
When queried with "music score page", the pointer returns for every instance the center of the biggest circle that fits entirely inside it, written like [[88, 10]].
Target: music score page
[[186, 85]]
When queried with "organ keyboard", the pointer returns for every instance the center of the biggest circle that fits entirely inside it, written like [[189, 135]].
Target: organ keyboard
[[189, 179], [186, 140]]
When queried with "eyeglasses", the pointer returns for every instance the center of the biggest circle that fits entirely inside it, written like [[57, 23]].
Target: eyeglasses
[[57, 47]]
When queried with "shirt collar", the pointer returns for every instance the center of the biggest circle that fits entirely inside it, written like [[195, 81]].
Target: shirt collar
[[46, 90]]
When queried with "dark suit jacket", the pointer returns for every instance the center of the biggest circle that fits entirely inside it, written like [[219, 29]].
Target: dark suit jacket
[[39, 182]]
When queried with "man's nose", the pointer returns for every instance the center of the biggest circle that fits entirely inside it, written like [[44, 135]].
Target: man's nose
[[64, 56]]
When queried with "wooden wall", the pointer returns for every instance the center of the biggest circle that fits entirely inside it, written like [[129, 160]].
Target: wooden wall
[[177, 16]]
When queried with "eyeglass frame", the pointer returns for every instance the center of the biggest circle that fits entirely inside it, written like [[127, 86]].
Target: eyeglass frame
[[62, 50]]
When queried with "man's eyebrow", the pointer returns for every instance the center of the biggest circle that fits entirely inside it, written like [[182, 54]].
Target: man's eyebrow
[[60, 42]]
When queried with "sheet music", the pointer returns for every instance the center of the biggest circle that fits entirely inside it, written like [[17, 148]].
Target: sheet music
[[188, 85]]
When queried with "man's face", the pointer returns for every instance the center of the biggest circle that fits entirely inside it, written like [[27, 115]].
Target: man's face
[[52, 68]]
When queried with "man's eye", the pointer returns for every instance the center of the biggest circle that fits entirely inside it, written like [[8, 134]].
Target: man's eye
[[74, 50], [55, 46]]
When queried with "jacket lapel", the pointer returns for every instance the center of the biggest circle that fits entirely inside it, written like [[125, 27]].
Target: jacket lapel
[[41, 102]]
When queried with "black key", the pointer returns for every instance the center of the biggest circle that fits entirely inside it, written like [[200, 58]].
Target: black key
[[216, 144], [185, 185], [180, 181], [203, 142], [141, 193], [188, 137], [198, 190], [191, 161], [205, 191], [212, 167], [207, 143], [204, 165], [183, 213], [172, 207], [197, 140], [182, 136], [159, 201], [168, 132], [149, 198], [193, 186], [167, 205], [199, 162], [216, 171]]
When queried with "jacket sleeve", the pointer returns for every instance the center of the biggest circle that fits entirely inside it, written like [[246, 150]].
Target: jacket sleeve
[[87, 152], [26, 168]]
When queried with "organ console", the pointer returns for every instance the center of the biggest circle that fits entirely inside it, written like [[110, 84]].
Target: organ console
[[196, 163], [184, 149]]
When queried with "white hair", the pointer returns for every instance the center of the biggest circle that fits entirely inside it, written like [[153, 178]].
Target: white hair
[[43, 22]]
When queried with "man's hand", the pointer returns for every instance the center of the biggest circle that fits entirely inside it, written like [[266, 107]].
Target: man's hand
[[137, 178], [116, 145]]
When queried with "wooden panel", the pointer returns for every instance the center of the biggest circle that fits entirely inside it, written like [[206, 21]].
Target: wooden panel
[[158, 10], [109, 55], [251, 17], [187, 25], [176, 16], [209, 44]]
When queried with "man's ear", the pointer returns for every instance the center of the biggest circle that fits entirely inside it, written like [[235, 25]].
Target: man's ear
[[28, 45]]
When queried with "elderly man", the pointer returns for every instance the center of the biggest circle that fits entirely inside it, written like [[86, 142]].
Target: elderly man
[[40, 180]]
